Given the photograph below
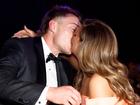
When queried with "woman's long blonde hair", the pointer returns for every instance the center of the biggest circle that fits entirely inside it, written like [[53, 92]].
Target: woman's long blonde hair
[[98, 53]]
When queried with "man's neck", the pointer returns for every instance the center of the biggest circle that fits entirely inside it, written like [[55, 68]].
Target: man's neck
[[49, 41]]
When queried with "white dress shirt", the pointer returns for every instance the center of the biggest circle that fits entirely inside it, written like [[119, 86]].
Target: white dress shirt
[[51, 75]]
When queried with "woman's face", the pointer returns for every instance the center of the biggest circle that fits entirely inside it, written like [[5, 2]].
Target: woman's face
[[76, 40]]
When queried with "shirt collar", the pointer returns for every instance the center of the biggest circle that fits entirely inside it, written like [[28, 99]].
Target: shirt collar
[[46, 49]]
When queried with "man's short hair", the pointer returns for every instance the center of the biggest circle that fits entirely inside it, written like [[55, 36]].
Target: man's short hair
[[56, 11]]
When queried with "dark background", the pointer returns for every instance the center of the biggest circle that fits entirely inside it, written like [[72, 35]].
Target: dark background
[[121, 15]]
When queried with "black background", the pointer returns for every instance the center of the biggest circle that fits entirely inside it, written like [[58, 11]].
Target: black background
[[121, 15]]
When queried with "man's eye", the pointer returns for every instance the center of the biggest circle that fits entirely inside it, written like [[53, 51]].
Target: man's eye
[[73, 29]]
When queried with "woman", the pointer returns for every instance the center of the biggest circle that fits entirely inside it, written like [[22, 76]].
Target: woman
[[101, 78]]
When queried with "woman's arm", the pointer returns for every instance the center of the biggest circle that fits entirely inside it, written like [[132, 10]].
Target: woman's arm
[[26, 32]]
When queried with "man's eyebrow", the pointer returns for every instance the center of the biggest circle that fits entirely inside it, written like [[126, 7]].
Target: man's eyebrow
[[76, 24]]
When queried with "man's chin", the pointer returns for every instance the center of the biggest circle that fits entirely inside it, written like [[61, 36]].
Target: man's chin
[[68, 53]]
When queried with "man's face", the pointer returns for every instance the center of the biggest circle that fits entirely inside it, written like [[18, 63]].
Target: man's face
[[76, 40], [65, 29]]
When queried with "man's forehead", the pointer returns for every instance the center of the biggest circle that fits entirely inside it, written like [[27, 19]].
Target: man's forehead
[[71, 17], [71, 20]]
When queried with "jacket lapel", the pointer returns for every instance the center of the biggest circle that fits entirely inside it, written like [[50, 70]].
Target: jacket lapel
[[41, 62], [61, 75]]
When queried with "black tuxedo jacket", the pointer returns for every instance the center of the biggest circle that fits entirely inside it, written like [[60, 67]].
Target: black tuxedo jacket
[[22, 71]]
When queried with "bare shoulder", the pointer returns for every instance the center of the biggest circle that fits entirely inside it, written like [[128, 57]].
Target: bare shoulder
[[99, 87]]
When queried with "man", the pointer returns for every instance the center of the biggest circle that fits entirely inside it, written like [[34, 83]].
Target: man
[[28, 76]]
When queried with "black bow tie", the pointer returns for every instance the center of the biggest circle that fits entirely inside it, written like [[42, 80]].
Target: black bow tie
[[52, 57], [61, 75]]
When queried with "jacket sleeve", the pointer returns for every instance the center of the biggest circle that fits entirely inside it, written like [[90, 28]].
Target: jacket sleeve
[[11, 88]]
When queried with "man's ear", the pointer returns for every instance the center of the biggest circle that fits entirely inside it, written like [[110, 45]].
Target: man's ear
[[52, 26]]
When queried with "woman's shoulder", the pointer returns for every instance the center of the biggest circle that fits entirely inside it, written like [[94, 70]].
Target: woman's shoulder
[[97, 78], [99, 87]]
